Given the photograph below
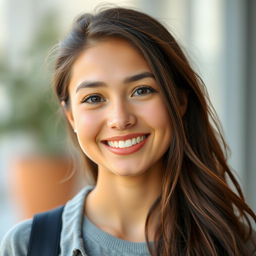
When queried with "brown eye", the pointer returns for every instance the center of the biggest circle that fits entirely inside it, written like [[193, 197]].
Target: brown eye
[[141, 91], [93, 99]]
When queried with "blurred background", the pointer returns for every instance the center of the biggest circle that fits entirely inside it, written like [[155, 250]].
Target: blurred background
[[219, 36]]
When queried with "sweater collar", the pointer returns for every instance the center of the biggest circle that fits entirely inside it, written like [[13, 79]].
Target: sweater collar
[[71, 241]]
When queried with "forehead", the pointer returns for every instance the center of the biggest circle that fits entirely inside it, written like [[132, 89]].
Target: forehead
[[110, 59]]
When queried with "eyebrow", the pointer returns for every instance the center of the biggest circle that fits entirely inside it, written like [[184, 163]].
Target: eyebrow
[[130, 79]]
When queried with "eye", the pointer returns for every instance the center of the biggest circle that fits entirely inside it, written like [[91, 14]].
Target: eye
[[93, 99], [144, 90]]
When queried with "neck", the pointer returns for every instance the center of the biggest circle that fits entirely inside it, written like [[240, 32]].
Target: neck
[[119, 205]]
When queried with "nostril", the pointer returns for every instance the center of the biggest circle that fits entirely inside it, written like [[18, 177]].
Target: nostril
[[120, 124]]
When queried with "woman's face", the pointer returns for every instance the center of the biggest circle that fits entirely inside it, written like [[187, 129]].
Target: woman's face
[[117, 109]]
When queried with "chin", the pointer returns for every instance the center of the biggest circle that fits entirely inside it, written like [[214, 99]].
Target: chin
[[129, 173]]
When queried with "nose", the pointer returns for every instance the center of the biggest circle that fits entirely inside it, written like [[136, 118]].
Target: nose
[[120, 117]]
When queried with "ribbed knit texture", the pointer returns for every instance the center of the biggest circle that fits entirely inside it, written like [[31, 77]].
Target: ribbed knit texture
[[98, 242]]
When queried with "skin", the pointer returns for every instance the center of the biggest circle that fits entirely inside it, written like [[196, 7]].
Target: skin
[[128, 184]]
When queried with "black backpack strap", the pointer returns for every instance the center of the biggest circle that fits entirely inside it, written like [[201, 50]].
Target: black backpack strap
[[45, 233]]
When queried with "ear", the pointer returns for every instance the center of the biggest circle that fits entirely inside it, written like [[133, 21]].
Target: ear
[[68, 113], [183, 102]]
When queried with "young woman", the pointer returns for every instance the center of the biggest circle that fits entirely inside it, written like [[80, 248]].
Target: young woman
[[151, 141]]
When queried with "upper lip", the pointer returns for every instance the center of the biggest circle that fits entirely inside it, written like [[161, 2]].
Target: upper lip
[[126, 137]]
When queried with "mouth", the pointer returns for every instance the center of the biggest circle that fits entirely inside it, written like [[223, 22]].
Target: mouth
[[123, 145]]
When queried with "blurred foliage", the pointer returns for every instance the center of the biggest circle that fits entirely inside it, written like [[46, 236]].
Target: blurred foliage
[[34, 107]]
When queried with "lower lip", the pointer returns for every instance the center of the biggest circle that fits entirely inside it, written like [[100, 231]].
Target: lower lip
[[128, 150]]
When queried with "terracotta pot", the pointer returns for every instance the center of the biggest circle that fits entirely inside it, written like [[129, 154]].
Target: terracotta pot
[[41, 183]]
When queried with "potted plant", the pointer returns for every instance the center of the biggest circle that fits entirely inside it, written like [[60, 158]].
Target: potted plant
[[39, 179]]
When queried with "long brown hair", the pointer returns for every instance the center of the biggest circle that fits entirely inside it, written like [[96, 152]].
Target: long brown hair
[[199, 213]]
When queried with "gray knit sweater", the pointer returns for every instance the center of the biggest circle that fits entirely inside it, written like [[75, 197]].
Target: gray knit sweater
[[79, 236]]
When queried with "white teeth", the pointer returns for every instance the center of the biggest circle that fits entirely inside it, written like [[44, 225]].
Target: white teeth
[[110, 143], [125, 143], [128, 143], [121, 144]]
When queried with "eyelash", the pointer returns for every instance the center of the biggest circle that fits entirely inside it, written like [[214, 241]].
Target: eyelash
[[149, 90], [143, 88], [86, 99]]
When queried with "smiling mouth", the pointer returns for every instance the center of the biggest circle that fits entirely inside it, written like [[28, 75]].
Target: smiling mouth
[[126, 146], [126, 143]]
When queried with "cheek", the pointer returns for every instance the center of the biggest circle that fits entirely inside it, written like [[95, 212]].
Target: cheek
[[156, 114], [88, 126], [157, 117]]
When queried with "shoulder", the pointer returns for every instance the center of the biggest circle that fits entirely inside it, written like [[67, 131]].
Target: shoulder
[[15, 242]]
